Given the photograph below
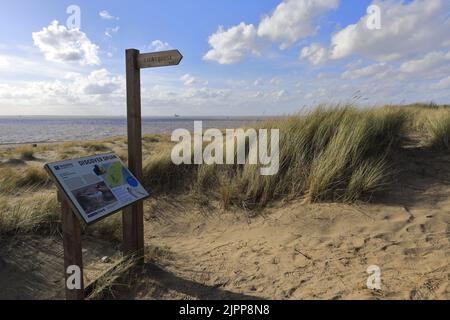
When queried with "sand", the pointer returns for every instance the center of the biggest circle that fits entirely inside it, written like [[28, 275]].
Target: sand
[[316, 251], [290, 250]]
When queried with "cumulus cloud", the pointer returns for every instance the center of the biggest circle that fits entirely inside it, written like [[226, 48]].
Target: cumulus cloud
[[159, 45], [99, 82], [60, 44], [229, 46], [407, 28], [293, 20], [188, 80], [315, 53], [74, 94]]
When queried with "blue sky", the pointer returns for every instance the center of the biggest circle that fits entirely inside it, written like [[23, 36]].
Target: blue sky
[[249, 57]]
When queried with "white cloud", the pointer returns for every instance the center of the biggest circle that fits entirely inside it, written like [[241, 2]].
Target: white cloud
[[99, 82], [188, 80], [315, 53], [378, 70], [275, 81], [104, 14], [230, 46], [293, 20], [31, 67], [258, 82], [280, 94], [98, 92], [110, 31], [407, 28], [443, 84], [63, 45], [4, 62], [77, 93], [432, 65], [429, 62], [159, 45]]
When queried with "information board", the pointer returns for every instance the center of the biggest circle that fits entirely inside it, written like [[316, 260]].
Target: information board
[[97, 186]]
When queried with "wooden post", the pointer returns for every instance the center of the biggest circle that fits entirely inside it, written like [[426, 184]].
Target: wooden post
[[133, 217], [72, 248]]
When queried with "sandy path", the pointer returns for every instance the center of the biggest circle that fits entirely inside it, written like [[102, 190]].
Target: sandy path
[[319, 251], [32, 267], [290, 251]]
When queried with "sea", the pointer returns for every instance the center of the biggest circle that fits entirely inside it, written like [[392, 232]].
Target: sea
[[22, 130]]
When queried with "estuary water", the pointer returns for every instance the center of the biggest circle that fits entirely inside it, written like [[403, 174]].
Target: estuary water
[[17, 130]]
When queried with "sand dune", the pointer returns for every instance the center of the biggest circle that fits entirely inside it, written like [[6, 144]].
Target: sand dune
[[315, 251], [290, 249]]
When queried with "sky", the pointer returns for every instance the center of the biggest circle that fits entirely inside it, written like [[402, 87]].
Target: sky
[[252, 57]]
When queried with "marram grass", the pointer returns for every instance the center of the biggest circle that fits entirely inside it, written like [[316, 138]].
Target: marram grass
[[337, 154]]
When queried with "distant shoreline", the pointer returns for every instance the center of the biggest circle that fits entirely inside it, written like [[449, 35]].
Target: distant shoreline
[[169, 118], [18, 131]]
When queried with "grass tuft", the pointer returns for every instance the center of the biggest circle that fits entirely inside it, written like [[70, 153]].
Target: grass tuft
[[160, 174], [38, 213], [15, 180], [336, 154]]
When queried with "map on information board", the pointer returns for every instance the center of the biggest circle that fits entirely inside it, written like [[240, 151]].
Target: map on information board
[[97, 186]]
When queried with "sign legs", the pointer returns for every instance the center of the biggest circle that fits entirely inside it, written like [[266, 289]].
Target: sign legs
[[133, 217], [73, 260]]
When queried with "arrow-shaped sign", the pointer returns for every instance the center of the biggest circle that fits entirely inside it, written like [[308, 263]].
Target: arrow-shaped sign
[[159, 59]]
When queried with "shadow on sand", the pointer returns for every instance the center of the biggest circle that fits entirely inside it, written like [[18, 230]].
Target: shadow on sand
[[153, 282]]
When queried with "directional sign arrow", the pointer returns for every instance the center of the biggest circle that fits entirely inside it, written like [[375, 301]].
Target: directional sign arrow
[[159, 59]]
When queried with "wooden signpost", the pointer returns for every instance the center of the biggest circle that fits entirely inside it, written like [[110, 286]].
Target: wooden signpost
[[73, 256], [132, 216], [159, 59]]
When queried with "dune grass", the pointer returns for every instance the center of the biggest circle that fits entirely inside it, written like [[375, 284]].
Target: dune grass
[[15, 180], [337, 154], [437, 126], [40, 213], [329, 154], [96, 147], [432, 123], [27, 153], [37, 213], [160, 174]]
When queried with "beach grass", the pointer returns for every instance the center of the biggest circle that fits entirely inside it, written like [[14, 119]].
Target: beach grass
[[36, 213], [40, 213], [342, 154], [437, 126], [329, 154], [14, 180]]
